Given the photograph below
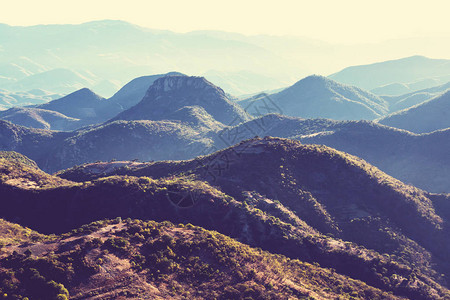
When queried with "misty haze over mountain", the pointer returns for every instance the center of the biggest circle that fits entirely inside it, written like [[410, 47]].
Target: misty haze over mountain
[[34, 57], [295, 168]]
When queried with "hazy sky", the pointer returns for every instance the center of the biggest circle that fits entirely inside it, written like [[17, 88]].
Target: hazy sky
[[330, 20]]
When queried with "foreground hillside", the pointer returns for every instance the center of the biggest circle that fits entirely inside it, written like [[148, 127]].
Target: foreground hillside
[[349, 226], [318, 191], [136, 259]]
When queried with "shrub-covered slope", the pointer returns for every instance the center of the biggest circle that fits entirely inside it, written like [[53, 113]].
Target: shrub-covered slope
[[150, 260], [318, 189]]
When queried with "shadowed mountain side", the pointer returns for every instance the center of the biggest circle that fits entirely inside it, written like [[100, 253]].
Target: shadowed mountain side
[[428, 116], [127, 140], [421, 160], [331, 191], [320, 97], [121, 140], [170, 93], [276, 226], [34, 143]]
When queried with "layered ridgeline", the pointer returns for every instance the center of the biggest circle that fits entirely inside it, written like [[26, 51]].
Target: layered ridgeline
[[320, 97], [81, 108], [171, 93], [10, 99], [410, 99], [418, 159], [332, 201], [78, 109], [119, 140], [40, 118], [417, 72], [421, 160], [428, 116]]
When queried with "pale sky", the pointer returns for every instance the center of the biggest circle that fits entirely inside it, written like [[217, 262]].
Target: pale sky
[[347, 21]]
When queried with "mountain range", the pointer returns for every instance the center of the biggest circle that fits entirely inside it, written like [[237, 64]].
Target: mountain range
[[82, 107], [312, 97], [224, 58], [307, 202], [108, 63], [318, 96], [241, 183], [196, 116]]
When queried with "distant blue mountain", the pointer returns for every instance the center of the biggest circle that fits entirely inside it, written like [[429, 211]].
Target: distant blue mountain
[[321, 97], [405, 70]]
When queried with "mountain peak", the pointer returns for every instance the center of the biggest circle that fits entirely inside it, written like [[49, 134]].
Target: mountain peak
[[179, 82], [84, 92], [170, 93]]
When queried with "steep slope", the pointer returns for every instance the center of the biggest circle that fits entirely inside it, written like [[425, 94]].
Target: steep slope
[[39, 118], [150, 260], [319, 97], [428, 116], [130, 94], [12, 156], [346, 207], [82, 104], [402, 70], [170, 93], [133, 92]]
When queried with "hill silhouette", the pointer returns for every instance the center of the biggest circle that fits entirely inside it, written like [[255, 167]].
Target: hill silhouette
[[299, 222], [320, 97]]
